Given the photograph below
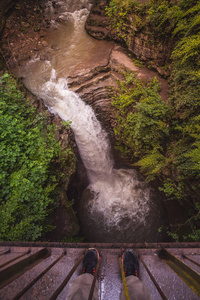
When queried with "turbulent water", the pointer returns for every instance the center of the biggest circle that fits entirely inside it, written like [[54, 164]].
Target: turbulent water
[[117, 202]]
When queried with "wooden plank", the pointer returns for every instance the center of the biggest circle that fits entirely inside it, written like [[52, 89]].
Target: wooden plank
[[188, 275], [12, 272]]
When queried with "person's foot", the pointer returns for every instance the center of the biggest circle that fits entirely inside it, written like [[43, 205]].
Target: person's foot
[[130, 263], [90, 261]]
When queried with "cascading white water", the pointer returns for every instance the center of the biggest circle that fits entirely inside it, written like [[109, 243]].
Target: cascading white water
[[90, 137], [120, 200], [116, 191]]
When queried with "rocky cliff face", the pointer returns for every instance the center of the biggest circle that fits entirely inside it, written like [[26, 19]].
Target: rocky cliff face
[[155, 53], [96, 85]]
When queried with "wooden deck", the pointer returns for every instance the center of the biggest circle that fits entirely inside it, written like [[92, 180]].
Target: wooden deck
[[35, 271]]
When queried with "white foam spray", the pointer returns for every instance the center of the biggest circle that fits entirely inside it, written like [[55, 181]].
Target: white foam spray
[[117, 193]]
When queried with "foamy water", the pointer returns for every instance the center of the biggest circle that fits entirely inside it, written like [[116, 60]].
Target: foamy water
[[117, 193]]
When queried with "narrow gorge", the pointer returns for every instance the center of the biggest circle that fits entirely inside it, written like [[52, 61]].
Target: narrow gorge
[[75, 75]]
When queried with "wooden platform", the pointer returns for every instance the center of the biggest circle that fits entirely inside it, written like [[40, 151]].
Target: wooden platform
[[35, 271]]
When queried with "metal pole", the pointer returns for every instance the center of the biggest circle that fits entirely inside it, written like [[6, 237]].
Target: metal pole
[[22, 292], [15, 258], [5, 252], [12, 272]]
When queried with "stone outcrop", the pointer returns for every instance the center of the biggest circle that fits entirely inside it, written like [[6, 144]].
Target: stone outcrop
[[155, 53], [96, 85]]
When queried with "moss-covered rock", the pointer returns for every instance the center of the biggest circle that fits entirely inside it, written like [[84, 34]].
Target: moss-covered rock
[[128, 24]]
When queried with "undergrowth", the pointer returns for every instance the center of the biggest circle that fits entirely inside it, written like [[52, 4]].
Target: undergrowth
[[163, 139], [31, 166]]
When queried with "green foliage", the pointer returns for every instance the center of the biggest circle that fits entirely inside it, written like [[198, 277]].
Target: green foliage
[[29, 155], [138, 63], [186, 63], [158, 17], [185, 101], [153, 164], [119, 12], [141, 117], [164, 139], [150, 136], [162, 17]]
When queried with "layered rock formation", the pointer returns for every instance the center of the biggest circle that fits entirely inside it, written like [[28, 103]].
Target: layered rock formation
[[155, 53], [96, 85], [95, 78]]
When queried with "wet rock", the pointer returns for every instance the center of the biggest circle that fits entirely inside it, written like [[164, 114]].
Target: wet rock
[[158, 54], [95, 86]]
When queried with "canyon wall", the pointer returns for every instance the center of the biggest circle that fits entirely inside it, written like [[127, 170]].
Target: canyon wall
[[154, 52]]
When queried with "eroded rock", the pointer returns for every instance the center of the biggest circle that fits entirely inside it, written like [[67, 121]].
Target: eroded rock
[[155, 54]]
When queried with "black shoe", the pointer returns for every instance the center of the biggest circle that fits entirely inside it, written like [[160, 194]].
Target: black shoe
[[90, 261], [130, 263]]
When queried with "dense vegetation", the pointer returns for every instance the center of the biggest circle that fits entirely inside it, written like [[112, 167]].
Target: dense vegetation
[[31, 166], [164, 138]]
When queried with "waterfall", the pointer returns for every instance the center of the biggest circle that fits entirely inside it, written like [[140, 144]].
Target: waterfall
[[118, 194], [119, 200], [91, 139]]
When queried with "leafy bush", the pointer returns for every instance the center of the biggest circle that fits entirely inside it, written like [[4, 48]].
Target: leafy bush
[[29, 159], [185, 83], [119, 12], [150, 136], [164, 139], [142, 127]]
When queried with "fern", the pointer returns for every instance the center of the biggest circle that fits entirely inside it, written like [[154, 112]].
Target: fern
[[153, 164]]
